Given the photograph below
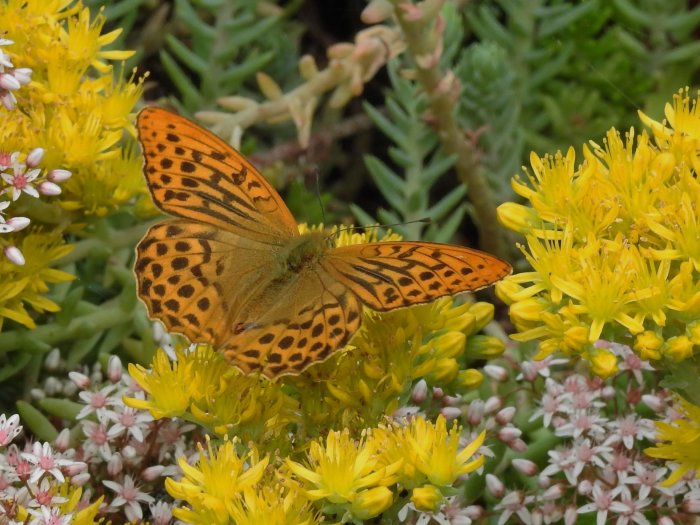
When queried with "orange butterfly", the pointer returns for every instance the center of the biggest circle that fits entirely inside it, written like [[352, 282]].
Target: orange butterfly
[[233, 270]]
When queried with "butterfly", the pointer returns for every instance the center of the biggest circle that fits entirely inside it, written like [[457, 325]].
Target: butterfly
[[231, 268]]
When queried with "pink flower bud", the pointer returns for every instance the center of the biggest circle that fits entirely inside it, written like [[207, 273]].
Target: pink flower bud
[[492, 404], [505, 415], [129, 452], [518, 445], [529, 371], [473, 512], [153, 472], [543, 481], [81, 479], [18, 223], [691, 504], [49, 188], [475, 412], [402, 413], [114, 369], [14, 255], [62, 441], [8, 100], [81, 380], [584, 487], [665, 520], [23, 75], [653, 402], [496, 372], [608, 392], [495, 486], [525, 466], [508, 434], [536, 517], [59, 175], [115, 464], [75, 468], [419, 392], [554, 492], [53, 359], [450, 412], [34, 157], [451, 401], [8, 82], [570, 515], [437, 392]]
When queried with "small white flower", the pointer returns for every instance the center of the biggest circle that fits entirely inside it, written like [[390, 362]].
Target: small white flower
[[44, 461], [9, 429], [20, 180], [129, 496]]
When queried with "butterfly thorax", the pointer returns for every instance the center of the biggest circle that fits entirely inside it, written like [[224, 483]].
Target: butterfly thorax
[[304, 251]]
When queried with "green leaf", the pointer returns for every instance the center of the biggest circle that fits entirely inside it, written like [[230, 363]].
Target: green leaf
[[61, 407], [37, 422]]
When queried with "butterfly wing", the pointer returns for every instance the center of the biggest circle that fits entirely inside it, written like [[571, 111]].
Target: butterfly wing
[[388, 275], [197, 278], [193, 174], [279, 337]]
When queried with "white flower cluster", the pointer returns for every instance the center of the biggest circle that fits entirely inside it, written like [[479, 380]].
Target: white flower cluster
[[24, 177], [11, 78]]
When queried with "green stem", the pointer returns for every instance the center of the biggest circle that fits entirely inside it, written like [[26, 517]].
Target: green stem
[[113, 241], [422, 40], [49, 335]]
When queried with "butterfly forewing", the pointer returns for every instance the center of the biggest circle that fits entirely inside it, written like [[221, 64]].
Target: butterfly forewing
[[193, 174], [390, 275]]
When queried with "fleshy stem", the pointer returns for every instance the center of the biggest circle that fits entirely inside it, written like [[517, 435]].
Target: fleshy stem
[[423, 31]]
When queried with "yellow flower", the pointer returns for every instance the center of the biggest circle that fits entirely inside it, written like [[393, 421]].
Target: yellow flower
[[84, 42], [437, 450], [470, 379], [429, 452], [212, 485], [679, 442], [648, 344], [603, 362], [347, 472], [26, 285], [268, 505], [168, 383], [678, 348], [427, 498]]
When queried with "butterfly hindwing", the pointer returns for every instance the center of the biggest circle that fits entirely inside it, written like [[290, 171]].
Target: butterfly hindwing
[[388, 275], [196, 278], [193, 174], [318, 316]]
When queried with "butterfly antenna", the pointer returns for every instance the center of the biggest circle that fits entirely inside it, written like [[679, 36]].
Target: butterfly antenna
[[426, 220], [320, 200]]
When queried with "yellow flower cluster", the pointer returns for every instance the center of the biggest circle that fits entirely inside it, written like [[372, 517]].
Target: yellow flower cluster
[[614, 244], [679, 442], [71, 106], [203, 387], [76, 106], [339, 477]]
